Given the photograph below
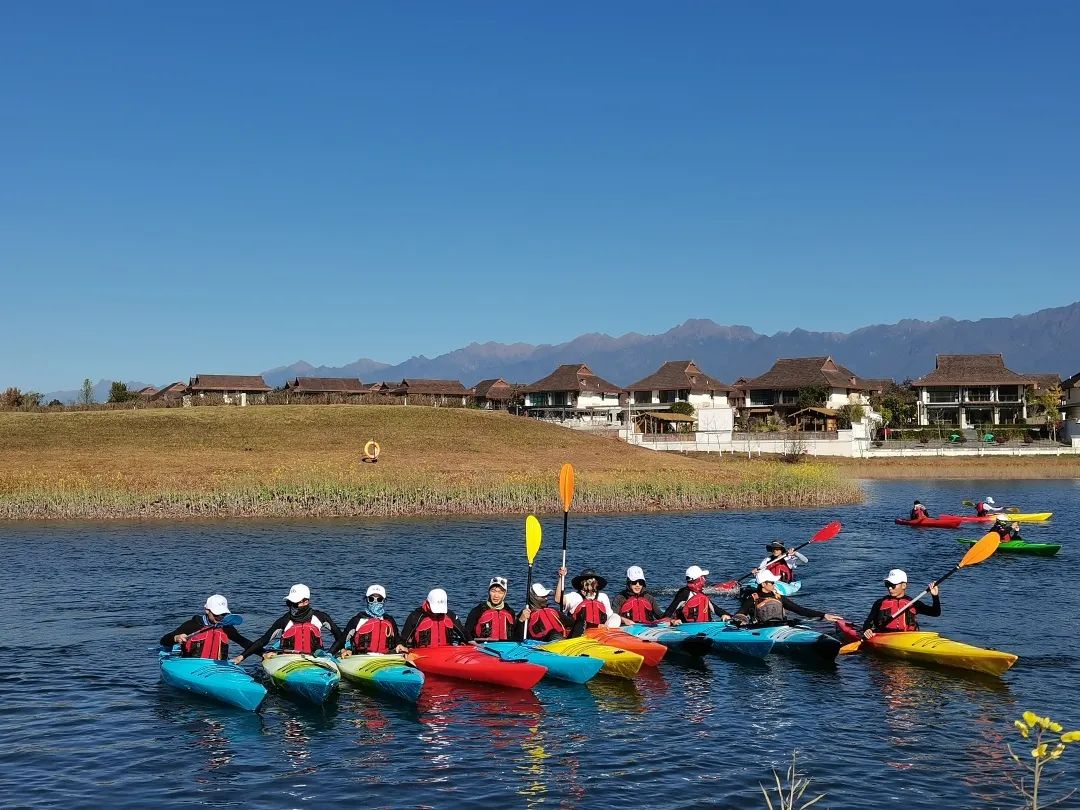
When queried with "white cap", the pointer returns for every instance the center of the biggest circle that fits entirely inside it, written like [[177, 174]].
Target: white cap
[[217, 604], [696, 572], [436, 600], [634, 573], [1003, 518], [539, 589], [989, 500], [376, 589], [765, 575], [896, 576], [298, 593], [499, 582]]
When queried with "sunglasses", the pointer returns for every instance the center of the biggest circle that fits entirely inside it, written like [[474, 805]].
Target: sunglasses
[[891, 585], [375, 598], [640, 582]]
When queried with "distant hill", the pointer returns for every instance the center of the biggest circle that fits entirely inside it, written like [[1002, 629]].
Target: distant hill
[[101, 391]]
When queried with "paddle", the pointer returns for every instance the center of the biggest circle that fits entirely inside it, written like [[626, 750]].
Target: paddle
[[533, 539], [1010, 509], [566, 492], [982, 550], [825, 534]]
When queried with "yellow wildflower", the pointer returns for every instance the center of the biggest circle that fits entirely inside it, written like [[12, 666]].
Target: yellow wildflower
[[1039, 751], [1070, 737], [1023, 729], [1055, 727], [1059, 749], [1030, 718]]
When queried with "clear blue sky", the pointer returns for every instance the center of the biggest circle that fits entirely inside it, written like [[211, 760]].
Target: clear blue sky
[[208, 187]]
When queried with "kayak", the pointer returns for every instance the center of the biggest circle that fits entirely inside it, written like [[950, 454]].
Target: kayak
[[470, 664], [1019, 517], [573, 668], [789, 588], [715, 637], [386, 672], [802, 643], [312, 678], [616, 662], [940, 522], [217, 680], [1021, 547], [651, 651], [671, 637], [930, 648]]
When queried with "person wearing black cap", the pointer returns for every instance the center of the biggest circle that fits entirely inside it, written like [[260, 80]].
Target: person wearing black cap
[[634, 603], [492, 619], [780, 562], [586, 606], [918, 511]]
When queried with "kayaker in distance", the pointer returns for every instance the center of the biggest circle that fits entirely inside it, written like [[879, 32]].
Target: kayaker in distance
[[918, 511], [1005, 530], [539, 621], [203, 636], [780, 562], [370, 631], [764, 606], [880, 619], [691, 604], [491, 620], [300, 630], [987, 507], [634, 603], [586, 606], [432, 624]]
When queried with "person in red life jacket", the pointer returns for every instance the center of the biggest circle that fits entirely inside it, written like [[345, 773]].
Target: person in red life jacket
[[880, 619], [780, 561], [492, 619], [539, 621], [370, 631], [587, 606], [205, 636], [301, 630], [988, 507], [765, 606], [1005, 530], [432, 625], [918, 511], [634, 604], [692, 604]]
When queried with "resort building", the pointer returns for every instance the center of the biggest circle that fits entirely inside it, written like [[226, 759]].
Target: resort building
[[679, 381], [172, 391], [776, 392], [573, 394], [491, 395], [325, 388], [1070, 397], [965, 390], [432, 392], [234, 389]]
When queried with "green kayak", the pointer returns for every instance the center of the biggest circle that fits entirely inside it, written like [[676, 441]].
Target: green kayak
[[1021, 547]]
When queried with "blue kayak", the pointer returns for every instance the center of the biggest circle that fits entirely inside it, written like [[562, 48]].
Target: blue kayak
[[573, 668], [719, 638], [312, 678], [386, 672], [217, 680], [671, 637], [802, 643]]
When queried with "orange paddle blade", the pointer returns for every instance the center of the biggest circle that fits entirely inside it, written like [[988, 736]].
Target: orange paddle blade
[[853, 647], [981, 550], [827, 533], [566, 486]]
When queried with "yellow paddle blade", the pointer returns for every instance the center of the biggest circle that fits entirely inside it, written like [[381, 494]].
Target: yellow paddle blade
[[981, 550], [566, 486], [853, 647], [533, 537]]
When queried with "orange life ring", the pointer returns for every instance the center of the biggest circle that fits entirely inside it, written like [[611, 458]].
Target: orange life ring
[[371, 451]]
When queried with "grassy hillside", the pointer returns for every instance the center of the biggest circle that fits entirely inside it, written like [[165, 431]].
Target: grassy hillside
[[305, 460]]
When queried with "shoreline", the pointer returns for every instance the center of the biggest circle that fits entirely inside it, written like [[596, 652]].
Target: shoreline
[[1032, 468]]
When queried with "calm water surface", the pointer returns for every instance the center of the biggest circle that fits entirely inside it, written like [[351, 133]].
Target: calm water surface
[[84, 720]]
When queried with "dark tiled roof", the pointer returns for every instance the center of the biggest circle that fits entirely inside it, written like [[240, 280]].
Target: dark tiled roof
[[576, 377], [147, 391], [228, 382], [971, 369], [1044, 381], [326, 385], [799, 372], [492, 389], [170, 391], [877, 383], [1072, 381], [679, 375], [451, 388]]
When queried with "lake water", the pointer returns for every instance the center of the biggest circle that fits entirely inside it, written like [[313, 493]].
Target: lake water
[[84, 720]]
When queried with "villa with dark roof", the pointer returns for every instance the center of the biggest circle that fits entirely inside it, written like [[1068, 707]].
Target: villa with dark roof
[[234, 389], [776, 392], [573, 393], [966, 390], [651, 398]]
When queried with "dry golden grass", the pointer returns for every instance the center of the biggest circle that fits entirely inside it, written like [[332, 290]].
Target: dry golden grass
[[989, 467], [305, 460]]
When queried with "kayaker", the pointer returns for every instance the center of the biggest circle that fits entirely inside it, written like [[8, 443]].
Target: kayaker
[[492, 619], [204, 636], [586, 606], [301, 630], [987, 507], [1005, 530], [432, 624], [918, 511], [765, 606], [634, 603], [539, 621], [880, 619], [691, 604], [780, 561], [371, 630]]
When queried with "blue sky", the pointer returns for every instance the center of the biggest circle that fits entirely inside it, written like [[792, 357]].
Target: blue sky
[[206, 187]]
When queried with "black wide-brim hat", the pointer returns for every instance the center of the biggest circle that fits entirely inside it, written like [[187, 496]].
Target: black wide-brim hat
[[777, 545], [588, 573]]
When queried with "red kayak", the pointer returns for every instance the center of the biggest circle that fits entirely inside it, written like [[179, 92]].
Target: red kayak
[[972, 518], [940, 522], [470, 664]]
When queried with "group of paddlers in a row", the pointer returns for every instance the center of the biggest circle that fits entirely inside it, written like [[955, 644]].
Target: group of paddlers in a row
[[304, 629]]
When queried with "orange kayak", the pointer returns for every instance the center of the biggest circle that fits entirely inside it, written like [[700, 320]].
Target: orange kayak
[[651, 651]]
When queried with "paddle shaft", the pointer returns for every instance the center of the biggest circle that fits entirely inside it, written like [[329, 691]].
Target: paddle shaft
[[528, 585], [565, 525], [937, 581], [771, 563]]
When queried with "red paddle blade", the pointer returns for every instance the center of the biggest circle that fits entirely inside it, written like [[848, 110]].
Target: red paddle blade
[[729, 588], [827, 533]]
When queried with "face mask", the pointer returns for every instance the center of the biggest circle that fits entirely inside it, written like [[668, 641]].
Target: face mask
[[376, 609], [696, 585]]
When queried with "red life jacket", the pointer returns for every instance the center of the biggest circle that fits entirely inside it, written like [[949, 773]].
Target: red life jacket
[[210, 642], [301, 637], [495, 625], [594, 610], [638, 609], [906, 621], [981, 510], [545, 621], [696, 609], [432, 632], [373, 636], [782, 570]]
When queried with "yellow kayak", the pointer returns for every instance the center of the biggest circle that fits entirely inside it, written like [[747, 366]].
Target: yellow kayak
[[930, 648], [620, 663], [1027, 517]]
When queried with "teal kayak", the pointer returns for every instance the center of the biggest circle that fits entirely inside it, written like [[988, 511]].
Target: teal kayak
[[386, 672], [724, 638], [802, 643], [217, 680], [312, 678], [572, 668], [672, 637]]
